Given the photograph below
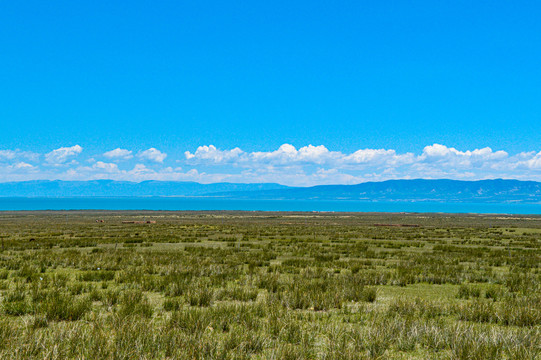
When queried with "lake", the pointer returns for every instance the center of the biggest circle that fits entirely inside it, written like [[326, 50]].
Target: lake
[[201, 203]]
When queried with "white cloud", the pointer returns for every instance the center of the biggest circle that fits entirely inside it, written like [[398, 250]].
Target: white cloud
[[381, 157], [533, 161], [287, 154], [152, 154], [437, 161], [6, 155], [213, 155], [63, 154], [307, 165], [98, 170], [439, 152], [18, 171], [140, 169], [118, 153], [22, 167], [107, 167], [311, 165]]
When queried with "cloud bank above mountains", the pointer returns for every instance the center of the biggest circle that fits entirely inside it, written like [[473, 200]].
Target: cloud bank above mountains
[[308, 165]]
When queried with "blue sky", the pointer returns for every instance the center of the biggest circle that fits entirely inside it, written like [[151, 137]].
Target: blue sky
[[395, 80]]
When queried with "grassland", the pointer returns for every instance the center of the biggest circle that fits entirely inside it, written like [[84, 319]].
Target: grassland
[[233, 285]]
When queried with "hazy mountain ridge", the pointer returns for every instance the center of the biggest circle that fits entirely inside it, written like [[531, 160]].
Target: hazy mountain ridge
[[391, 190], [414, 190]]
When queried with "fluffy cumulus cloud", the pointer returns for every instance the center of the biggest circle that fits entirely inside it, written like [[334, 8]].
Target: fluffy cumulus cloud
[[287, 154], [304, 166], [152, 154], [452, 156], [214, 156], [118, 154], [18, 171], [310, 165], [530, 162], [106, 167], [62, 155], [379, 157], [21, 167]]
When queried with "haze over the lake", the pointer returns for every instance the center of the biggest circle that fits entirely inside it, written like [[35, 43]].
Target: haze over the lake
[[292, 92]]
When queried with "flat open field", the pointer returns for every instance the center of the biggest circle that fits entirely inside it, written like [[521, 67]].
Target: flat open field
[[252, 285]]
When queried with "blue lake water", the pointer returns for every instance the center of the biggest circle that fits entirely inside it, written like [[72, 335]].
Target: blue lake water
[[181, 203]]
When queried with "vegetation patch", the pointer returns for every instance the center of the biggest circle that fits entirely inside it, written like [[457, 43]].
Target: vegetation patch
[[235, 285]]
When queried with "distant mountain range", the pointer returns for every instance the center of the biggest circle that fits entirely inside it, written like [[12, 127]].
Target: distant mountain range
[[412, 190], [391, 190]]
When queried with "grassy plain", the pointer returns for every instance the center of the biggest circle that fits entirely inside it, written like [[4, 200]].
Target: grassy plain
[[252, 285]]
